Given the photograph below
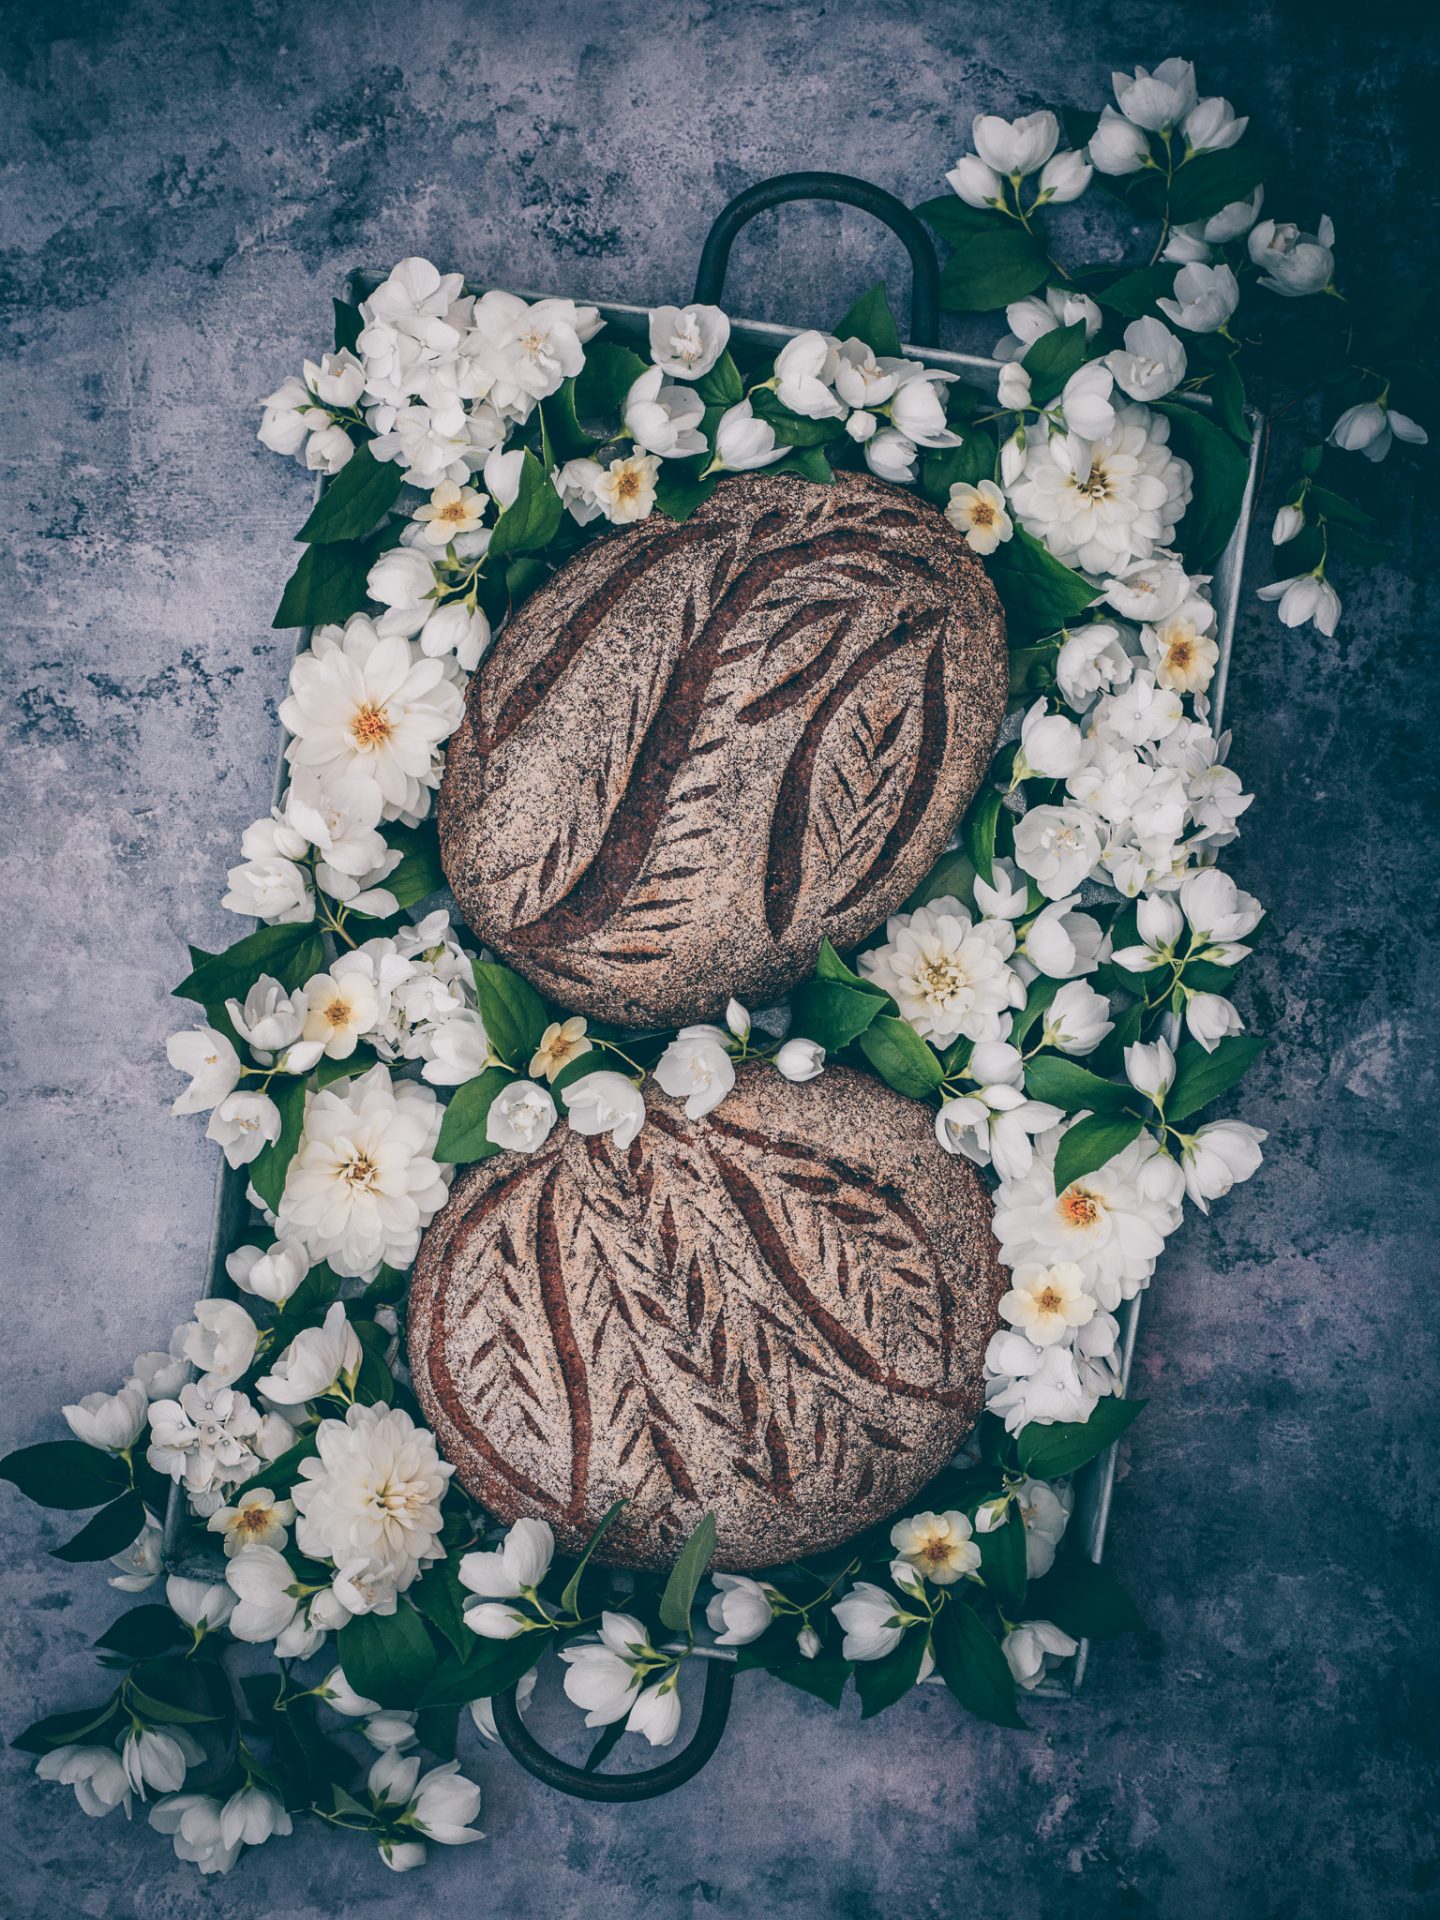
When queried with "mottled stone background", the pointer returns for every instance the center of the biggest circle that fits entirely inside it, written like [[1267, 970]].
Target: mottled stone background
[[184, 189]]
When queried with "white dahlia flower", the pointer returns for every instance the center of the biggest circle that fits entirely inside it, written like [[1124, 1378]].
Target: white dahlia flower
[[1102, 504], [947, 973], [373, 1494], [364, 1183]]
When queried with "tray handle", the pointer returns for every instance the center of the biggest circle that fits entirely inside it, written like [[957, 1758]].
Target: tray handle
[[924, 264], [672, 1773]]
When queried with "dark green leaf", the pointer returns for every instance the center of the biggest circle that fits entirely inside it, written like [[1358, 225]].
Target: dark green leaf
[[388, 1657], [270, 1166], [145, 1632], [419, 873], [942, 468], [328, 585], [462, 1132], [1220, 471], [979, 830], [1040, 595], [1052, 359], [1032, 669], [513, 1013], [871, 320], [1210, 181], [1200, 1077], [972, 1665], [1109, 1057], [990, 268], [1228, 392], [565, 438], [829, 966], [1037, 1001], [832, 1014], [680, 490], [601, 387], [109, 1531], [880, 1683], [79, 1726], [289, 954], [361, 493], [1069, 1086], [1002, 1563], [495, 1665], [437, 1729], [533, 516], [809, 462], [167, 1690], [951, 878], [1049, 1453], [327, 1071], [901, 1058], [1090, 1143], [280, 1475], [1134, 295], [349, 324], [722, 387], [609, 1739], [569, 1599], [793, 429], [824, 1676], [440, 1597], [956, 221], [309, 1303], [679, 1594], [66, 1474], [1084, 1600]]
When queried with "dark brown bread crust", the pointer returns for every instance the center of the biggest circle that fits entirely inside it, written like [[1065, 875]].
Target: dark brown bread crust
[[704, 747], [777, 1313]]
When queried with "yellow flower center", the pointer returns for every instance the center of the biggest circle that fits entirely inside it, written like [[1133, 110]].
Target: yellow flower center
[[371, 726], [338, 1013], [360, 1172], [627, 483], [982, 514], [936, 1550], [1050, 1300], [1080, 1207], [253, 1519]]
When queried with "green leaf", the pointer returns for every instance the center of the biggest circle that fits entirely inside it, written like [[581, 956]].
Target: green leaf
[[440, 1597], [829, 966], [1134, 295], [722, 386], [569, 1599], [66, 1474], [979, 828], [496, 1665], [1069, 1086], [609, 1739], [437, 1728], [419, 873], [1037, 1001], [1221, 471], [679, 1594], [328, 585], [942, 468], [462, 1131], [880, 1683], [601, 387], [361, 493], [955, 221], [167, 1690], [1049, 1453], [388, 1657], [871, 320], [1090, 1143], [289, 954], [533, 516], [1210, 181], [327, 1071], [72, 1728], [280, 1475], [1052, 359], [349, 325], [270, 1166], [972, 1665], [951, 878], [1039, 594], [824, 1676], [564, 437], [793, 429], [1002, 1563], [513, 1013], [831, 1013], [1084, 1600], [111, 1530], [1228, 392], [990, 268], [680, 490], [1201, 1077], [144, 1632], [809, 462], [901, 1058]]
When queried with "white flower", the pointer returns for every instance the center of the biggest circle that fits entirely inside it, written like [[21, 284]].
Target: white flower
[[340, 818], [201, 1439], [328, 450], [373, 1493], [1117, 145], [1033, 1648], [1210, 1018], [1217, 1157], [494, 1621], [113, 1421], [1150, 1069], [873, 1621], [1025, 1383], [808, 1641], [1047, 1302], [244, 1124], [1100, 505], [1085, 401], [520, 1564], [1076, 1020], [1091, 659], [363, 704], [800, 1060], [743, 443], [1015, 146], [938, 1545], [656, 1713], [269, 1018], [339, 1008], [561, 1042], [1205, 298], [271, 1275], [918, 408], [250, 1816], [316, 1360], [1305, 596], [1060, 942], [862, 426], [270, 884], [994, 1125], [1211, 125], [805, 369], [737, 1019], [1157, 100], [289, 416], [685, 342], [602, 1679], [1005, 896], [211, 1062], [947, 975], [363, 1184], [403, 579], [1368, 429], [1151, 590], [100, 1781], [192, 1820], [976, 184], [1013, 387], [443, 1805], [521, 1116], [530, 350], [979, 513], [1064, 178], [863, 379], [605, 1103], [1051, 746], [455, 1050], [625, 491], [696, 1067], [158, 1756], [258, 1519], [740, 1610], [891, 455], [338, 1694], [1152, 363], [1045, 1515], [1289, 523], [1218, 911], [1057, 846], [1293, 263], [663, 418], [1141, 714], [163, 1374], [221, 1340], [1033, 317], [402, 1856], [459, 629], [503, 473], [1181, 652], [139, 1563], [449, 511]]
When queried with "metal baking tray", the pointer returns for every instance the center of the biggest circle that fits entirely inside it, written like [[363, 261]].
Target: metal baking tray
[[1093, 1486]]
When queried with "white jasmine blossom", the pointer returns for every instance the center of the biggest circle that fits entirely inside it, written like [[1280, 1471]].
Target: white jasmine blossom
[[937, 1545], [1293, 263], [1217, 1157], [696, 1067], [1305, 597], [603, 1678], [1152, 362], [1211, 126], [1015, 147], [271, 1274], [372, 1494], [743, 443], [204, 1439], [1025, 1383], [605, 1102], [1210, 1018], [450, 511], [892, 455], [521, 1117], [740, 1609], [976, 184], [1085, 401], [800, 1060], [1205, 298], [318, 1361], [1045, 1513], [918, 408], [873, 1620], [211, 1062], [517, 1567], [1091, 660], [1057, 846], [1101, 505], [221, 1340], [1063, 178], [1370, 427], [244, 1124], [864, 379], [258, 1519], [995, 1126], [100, 1781], [113, 1421], [1117, 145], [158, 1757], [625, 490], [805, 370], [140, 1563], [1047, 1302], [1077, 1019], [1051, 746], [1158, 100], [947, 975], [1033, 1648], [686, 342], [664, 419], [979, 514]]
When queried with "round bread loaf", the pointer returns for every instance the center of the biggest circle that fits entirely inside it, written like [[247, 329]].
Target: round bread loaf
[[777, 1313], [703, 747]]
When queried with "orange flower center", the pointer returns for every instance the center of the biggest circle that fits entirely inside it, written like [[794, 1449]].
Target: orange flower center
[[371, 725]]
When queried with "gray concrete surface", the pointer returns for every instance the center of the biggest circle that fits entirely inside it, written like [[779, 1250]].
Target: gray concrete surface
[[184, 188]]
